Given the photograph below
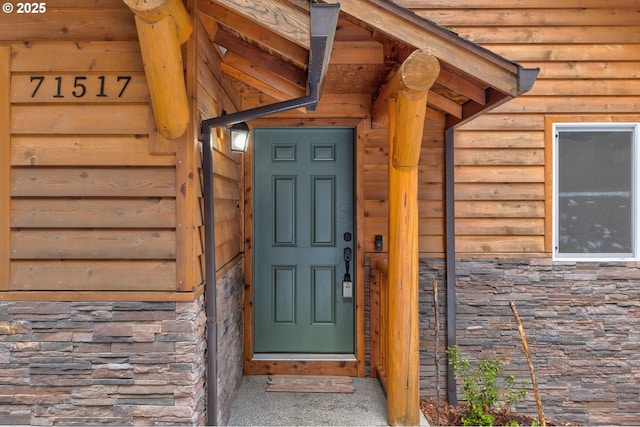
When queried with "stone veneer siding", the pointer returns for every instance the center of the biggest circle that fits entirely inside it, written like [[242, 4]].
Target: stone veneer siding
[[116, 363], [230, 340], [582, 321]]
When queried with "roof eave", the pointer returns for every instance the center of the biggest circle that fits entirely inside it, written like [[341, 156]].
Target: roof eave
[[470, 58]]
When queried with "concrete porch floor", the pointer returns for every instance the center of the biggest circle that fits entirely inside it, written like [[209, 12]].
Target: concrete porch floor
[[254, 406]]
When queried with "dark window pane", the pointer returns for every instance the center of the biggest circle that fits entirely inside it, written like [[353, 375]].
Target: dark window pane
[[595, 170]]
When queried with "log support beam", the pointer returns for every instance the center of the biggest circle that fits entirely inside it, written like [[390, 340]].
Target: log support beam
[[404, 102], [163, 25]]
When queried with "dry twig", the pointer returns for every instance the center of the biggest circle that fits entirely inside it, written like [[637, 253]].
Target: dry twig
[[534, 383]]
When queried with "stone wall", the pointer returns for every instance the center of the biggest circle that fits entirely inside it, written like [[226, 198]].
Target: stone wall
[[430, 270], [582, 322], [230, 341], [119, 363]]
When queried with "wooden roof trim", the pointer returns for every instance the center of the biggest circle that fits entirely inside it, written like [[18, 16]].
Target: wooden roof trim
[[461, 85], [298, 55], [260, 58], [445, 104], [408, 27], [281, 17], [244, 70], [472, 109]]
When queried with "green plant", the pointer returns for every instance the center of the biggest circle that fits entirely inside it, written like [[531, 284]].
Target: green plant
[[480, 388], [513, 392]]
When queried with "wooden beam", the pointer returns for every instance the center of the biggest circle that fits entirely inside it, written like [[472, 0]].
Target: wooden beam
[[163, 25], [472, 109], [461, 85], [406, 99], [445, 104], [162, 61], [281, 17], [403, 355], [5, 167], [265, 81], [156, 10], [357, 52], [297, 76], [414, 75], [411, 109], [298, 55]]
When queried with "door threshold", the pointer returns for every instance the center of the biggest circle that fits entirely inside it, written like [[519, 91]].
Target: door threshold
[[328, 357]]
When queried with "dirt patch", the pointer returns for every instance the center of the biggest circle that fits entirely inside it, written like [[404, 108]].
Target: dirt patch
[[450, 416]]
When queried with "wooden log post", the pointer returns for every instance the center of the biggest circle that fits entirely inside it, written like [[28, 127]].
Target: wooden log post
[[404, 100], [163, 25]]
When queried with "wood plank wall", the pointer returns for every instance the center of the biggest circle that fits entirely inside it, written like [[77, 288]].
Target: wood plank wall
[[430, 190], [214, 96], [92, 188], [588, 52]]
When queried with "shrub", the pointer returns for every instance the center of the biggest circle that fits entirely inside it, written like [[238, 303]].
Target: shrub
[[480, 388]]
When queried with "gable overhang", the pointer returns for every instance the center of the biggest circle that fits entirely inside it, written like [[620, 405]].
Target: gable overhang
[[468, 57], [473, 80], [499, 78]]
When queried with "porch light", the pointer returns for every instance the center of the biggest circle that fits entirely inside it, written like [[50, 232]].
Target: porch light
[[240, 135]]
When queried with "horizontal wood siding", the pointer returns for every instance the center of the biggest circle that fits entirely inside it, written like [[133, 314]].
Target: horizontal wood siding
[[214, 96], [430, 189], [92, 208], [589, 59]]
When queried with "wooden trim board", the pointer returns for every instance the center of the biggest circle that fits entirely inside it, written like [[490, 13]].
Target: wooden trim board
[[102, 296], [5, 166], [301, 367], [310, 384]]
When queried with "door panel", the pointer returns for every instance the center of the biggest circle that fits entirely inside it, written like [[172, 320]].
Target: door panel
[[303, 205]]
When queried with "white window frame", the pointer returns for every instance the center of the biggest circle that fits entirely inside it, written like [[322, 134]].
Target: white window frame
[[635, 191]]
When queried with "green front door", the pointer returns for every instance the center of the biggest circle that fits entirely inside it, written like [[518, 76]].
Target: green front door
[[303, 222]]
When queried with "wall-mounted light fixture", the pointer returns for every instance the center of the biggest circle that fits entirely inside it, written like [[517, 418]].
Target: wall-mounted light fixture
[[240, 134]]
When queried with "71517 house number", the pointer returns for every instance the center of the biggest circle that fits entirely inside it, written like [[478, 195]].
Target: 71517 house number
[[78, 86]]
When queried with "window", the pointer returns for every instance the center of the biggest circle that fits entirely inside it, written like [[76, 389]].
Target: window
[[595, 191]]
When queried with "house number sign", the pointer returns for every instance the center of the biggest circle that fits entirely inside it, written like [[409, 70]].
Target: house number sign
[[79, 88]]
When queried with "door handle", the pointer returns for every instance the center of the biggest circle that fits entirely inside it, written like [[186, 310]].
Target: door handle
[[347, 284], [346, 256]]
